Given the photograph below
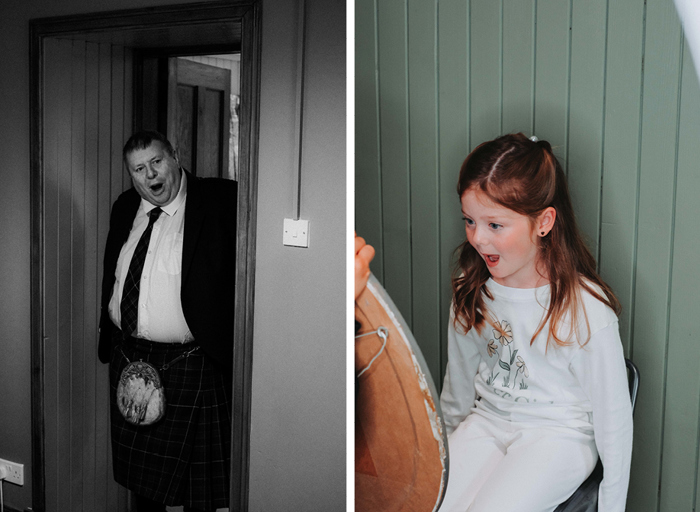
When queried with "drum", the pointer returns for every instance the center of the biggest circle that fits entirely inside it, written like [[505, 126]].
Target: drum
[[401, 459]]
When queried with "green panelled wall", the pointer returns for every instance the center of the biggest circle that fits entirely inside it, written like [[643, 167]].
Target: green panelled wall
[[610, 83]]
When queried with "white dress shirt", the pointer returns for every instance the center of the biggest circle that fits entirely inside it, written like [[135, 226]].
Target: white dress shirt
[[160, 309]]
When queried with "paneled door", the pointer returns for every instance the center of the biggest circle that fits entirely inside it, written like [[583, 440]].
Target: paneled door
[[199, 98]]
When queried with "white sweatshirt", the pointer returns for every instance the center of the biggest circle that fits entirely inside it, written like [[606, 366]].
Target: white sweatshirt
[[585, 388]]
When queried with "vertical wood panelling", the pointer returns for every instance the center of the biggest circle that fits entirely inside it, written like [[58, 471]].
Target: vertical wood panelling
[[368, 211], [126, 103], [586, 103], [552, 74], [92, 250], [623, 89], [64, 293], [655, 225], [117, 119], [87, 114], [121, 128], [618, 230], [54, 59], [394, 153], [453, 143], [76, 255], [518, 66], [601, 80], [425, 263], [104, 485], [485, 72], [682, 377]]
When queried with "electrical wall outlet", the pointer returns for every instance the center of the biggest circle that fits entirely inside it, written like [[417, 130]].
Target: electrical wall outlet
[[15, 472], [296, 233]]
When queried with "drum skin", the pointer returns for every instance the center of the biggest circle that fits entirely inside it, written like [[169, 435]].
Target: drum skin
[[401, 459]]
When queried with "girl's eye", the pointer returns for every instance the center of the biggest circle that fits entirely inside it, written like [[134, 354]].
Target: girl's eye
[[469, 222], [493, 225]]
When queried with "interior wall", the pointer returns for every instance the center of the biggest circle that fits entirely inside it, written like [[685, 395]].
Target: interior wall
[[298, 425], [298, 404], [610, 83]]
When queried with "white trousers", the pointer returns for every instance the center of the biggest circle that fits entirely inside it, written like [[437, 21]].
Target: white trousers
[[503, 466]]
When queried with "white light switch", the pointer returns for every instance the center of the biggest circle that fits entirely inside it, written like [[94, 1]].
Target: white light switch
[[296, 233]]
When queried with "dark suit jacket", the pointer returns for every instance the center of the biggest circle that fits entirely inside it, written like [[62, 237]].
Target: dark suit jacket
[[208, 265]]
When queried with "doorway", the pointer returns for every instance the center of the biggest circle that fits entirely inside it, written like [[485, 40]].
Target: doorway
[[195, 100], [205, 118], [85, 104]]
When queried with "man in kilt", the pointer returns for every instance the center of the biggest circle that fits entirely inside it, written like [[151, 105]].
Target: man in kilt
[[168, 300]]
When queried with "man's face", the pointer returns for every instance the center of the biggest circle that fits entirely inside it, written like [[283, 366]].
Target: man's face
[[155, 173]]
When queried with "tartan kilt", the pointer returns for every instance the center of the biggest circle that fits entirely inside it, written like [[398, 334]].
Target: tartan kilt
[[183, 459]]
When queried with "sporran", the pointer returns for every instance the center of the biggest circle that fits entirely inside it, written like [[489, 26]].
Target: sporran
[[140, 392]]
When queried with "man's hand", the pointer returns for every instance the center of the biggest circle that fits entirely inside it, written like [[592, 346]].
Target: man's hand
[[363, 255]]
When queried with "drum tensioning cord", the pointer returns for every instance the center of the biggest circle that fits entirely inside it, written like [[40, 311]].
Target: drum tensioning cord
[[383, 333]]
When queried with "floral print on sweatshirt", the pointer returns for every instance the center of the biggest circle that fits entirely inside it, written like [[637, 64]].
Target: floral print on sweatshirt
[[511, 364]]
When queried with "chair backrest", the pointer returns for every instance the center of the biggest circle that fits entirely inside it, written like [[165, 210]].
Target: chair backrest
[[585, 499], [633, 377]]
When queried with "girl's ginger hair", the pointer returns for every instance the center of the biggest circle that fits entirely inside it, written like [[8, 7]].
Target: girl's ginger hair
[[524, 176]]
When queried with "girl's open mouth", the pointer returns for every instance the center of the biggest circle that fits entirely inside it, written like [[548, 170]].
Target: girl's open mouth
[[491, 259]]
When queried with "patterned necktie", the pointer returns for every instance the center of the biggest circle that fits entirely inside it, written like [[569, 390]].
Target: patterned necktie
[[132, 284]]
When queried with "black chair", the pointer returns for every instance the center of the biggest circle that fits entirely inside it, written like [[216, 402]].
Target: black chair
[[585, 499]]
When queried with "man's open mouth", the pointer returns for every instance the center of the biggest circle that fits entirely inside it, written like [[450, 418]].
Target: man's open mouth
[[157, 187]]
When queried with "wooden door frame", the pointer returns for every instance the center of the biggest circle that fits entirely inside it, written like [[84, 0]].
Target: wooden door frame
[[247, 15]]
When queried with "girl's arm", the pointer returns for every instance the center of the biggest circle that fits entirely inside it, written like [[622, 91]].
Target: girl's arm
[[600, 368], [458, 394]]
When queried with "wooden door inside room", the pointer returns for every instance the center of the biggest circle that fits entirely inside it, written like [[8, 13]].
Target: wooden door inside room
[[199, 98], [195, 101], [85, 106]]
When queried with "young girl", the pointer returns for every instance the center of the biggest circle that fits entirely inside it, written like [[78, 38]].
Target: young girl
[[536, 385]]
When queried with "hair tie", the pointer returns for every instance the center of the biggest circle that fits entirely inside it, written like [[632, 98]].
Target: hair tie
[[534, 138]]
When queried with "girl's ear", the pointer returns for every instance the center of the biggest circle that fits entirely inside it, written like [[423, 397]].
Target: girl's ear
[[545, 221]]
